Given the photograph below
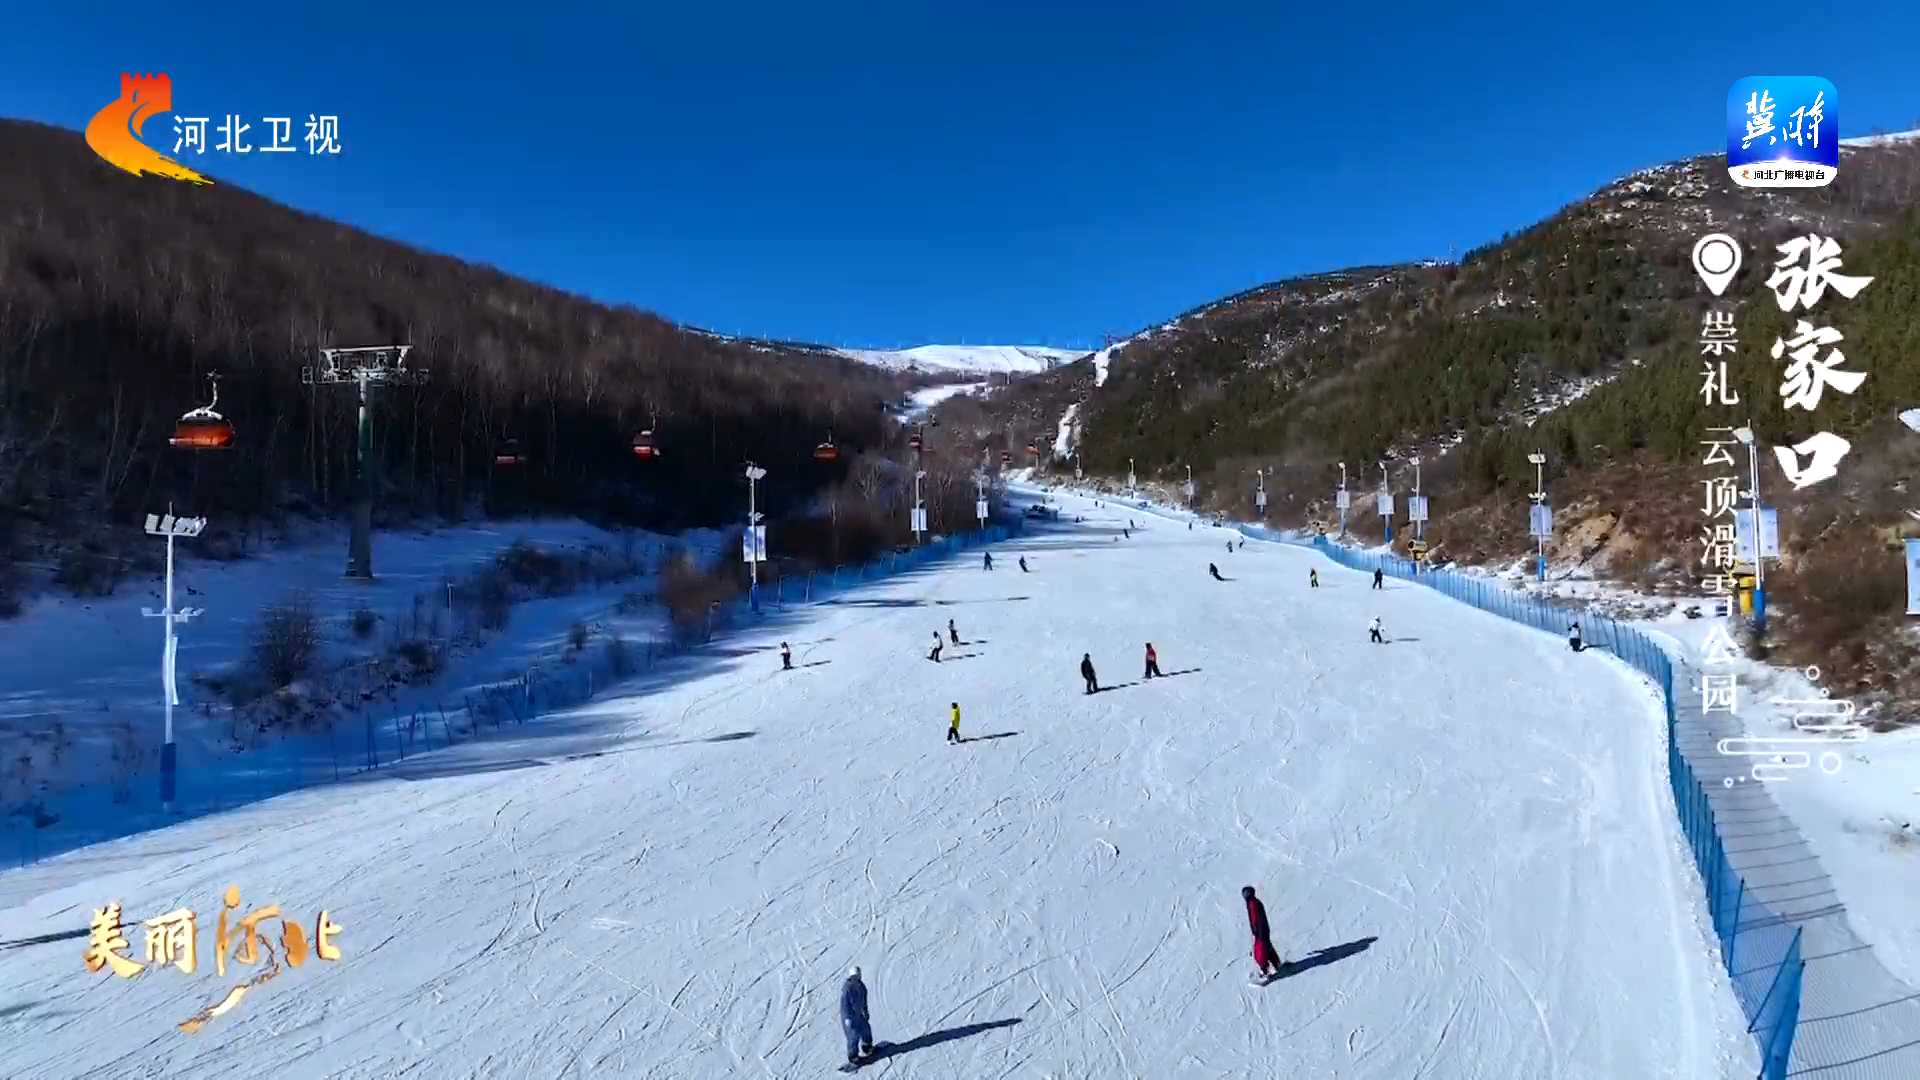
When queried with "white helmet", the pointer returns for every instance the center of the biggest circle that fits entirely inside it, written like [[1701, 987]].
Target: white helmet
[[853, 972]]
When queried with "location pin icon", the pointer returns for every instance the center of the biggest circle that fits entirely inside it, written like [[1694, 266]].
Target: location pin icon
[[1716, 258]]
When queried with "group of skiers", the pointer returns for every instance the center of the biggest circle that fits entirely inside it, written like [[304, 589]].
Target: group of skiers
[[986, 562], [857, 1023]]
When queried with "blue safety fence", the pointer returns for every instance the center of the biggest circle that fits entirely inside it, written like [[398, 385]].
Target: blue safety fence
[[1759, 948], [350, 743]]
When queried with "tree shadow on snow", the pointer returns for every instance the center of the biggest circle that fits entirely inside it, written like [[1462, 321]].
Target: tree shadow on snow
[[875, 603], [1323, 957], [935, 1038]]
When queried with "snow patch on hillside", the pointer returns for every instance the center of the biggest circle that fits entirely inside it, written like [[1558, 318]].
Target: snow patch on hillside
[[996, 359], [1064, 438], [924, 399], [1886, 139]]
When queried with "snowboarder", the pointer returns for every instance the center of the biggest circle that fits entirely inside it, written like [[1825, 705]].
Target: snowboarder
[[786, 657], [1373, 631], [987, 559], [1215, 571], [1189, 526], [1573, 637], [935, 654], [1265, 956], [853, 1018], [952, 633], [1023, 564], [1128, 533], [1131, 525], [1313, 579], [1086, 672], [1153, 662], [1379, 575], [1229, 547], [953, 729]]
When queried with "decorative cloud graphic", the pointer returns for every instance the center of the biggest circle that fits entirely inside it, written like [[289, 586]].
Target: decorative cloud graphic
[[114, 132]]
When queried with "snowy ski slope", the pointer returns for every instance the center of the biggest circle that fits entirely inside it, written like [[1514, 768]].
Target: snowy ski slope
[[1462, 838]]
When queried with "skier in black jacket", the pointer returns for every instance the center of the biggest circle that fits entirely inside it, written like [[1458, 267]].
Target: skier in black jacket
[[1215, 571], [1086, 672]]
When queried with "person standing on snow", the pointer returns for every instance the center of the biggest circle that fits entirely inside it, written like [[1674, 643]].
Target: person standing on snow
[[1378, 576], [1086, 672], [1153, 662], [952, 633], [1373, 631], [935, 654], [953, 728], [987, 559], [1229, 547], [1313, 579], [1023, 564], [1265, 956], [1215, 571], [853, 1017], [786, 657], [1573, 637]]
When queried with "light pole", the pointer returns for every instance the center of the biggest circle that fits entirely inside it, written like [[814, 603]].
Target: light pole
[[756, 548], [1416, 509], [980, 497], [1189, 488], [363, 368], [1911, 418], [1132, 486], [1386, 504], [1078, 475], [1747, 438], [1342, 500], [170, 527], [1260, 496], [1541, 520]]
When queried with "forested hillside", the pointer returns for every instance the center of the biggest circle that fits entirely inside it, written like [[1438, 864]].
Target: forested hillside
[[1578, 336], [119, 295]]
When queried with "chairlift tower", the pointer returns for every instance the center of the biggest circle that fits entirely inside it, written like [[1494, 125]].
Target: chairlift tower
[[364, 368], [169, 527]]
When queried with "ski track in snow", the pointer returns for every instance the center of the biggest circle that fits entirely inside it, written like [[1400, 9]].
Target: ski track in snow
[[1487, 806]]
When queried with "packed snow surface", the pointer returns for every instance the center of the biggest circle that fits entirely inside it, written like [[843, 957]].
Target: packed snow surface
[[1463, 839], [994, 359]]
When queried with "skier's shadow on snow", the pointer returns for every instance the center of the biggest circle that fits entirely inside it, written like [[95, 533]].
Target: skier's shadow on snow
[[1397, 640], [1001, 600], [816, 663], [984, 738], [1121, 686], [958, 656], [1323, 957], [935, 1038]]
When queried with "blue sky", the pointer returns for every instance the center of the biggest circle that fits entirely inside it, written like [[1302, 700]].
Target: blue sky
[[1007, 173]]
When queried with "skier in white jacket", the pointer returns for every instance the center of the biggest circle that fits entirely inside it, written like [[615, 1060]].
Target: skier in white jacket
[[1373, 631]]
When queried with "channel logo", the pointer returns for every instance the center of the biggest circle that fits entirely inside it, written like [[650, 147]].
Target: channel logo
[[114, 131], [1783, 131]]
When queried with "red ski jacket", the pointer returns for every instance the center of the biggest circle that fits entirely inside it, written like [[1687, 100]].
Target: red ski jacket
[[1257, 918]]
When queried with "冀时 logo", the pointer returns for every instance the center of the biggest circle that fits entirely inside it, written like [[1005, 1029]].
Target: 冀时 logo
[[114, 131], [1783, 131]]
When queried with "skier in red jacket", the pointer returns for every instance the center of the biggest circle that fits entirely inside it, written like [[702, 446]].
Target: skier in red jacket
[[1153, 661], [1265, 956]]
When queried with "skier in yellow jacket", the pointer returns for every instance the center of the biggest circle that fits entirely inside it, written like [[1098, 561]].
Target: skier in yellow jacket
[[953, 729]]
